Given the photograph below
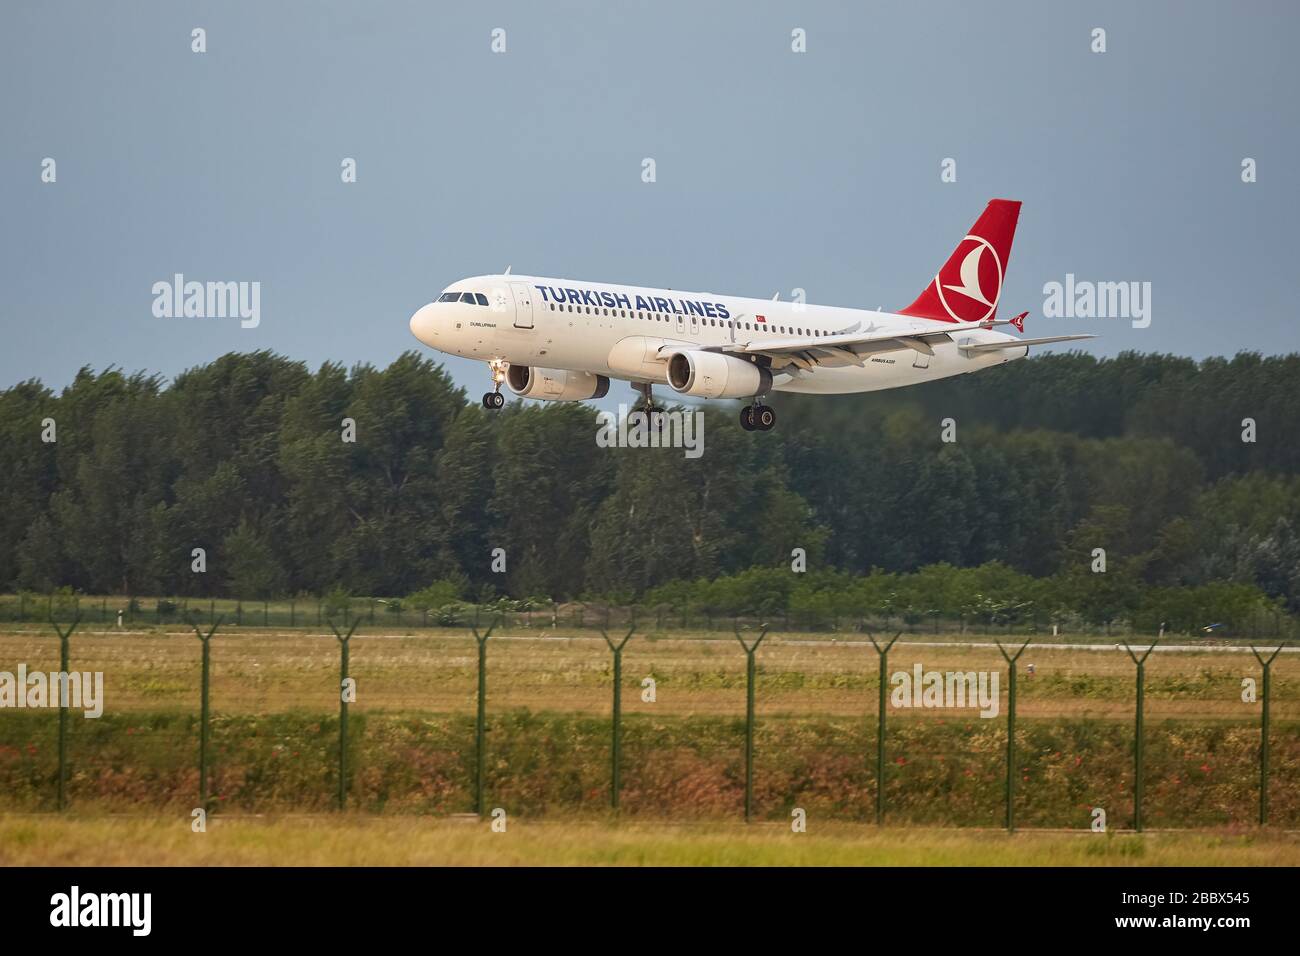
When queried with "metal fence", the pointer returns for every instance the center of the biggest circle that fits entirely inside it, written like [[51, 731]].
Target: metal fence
[[872, 751]]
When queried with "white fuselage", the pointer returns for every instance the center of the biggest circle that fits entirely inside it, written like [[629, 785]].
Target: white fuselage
[[620, 332]]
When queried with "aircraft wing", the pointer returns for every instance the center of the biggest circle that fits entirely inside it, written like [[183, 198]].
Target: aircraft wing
[[995, 346], [849, 348]]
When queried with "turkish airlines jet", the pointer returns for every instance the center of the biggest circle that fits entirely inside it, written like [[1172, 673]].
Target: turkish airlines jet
[[563, 340]]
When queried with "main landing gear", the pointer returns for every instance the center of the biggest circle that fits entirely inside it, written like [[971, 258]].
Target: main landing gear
[[648, 398], [757, 417], [494, 399], [647, 395]]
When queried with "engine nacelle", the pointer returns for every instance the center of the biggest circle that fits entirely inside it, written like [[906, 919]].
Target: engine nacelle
[[715, 375], [555, 384]]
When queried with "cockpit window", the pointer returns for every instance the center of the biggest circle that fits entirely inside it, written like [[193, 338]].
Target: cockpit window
[[481, 298], [449, 297], [467, 297]]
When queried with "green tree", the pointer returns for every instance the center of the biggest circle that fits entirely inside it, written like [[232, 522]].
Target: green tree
[[251, 567]]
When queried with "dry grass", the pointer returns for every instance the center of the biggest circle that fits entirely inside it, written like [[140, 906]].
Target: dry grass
[[268, 671], [378, 841]]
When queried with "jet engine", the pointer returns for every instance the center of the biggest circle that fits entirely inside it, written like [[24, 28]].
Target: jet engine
[[555, 384], [715, 375]]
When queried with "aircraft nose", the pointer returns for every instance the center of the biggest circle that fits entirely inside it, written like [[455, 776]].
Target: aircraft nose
[[424, 325]]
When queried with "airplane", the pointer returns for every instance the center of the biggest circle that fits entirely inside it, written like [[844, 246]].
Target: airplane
[[565, 339]]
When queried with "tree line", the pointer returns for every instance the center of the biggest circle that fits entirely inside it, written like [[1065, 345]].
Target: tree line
[[111, 484]]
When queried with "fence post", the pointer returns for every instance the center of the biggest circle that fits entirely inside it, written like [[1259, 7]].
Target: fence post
[[1137, 731], [63, 705], [343, 710], [480, 721], [1267, 665], [749, 719], [883, 654], [616, 744], [1011, 732], [203, 710]]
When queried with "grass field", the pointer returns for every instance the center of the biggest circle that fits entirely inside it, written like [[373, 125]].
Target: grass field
[[369, 841], [411, 764], [268, 670]]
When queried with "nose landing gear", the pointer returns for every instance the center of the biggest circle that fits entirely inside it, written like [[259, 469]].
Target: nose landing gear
[[757, 417], [494, 399]]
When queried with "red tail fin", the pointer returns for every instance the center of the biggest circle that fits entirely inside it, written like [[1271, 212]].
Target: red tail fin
[[969, 285]]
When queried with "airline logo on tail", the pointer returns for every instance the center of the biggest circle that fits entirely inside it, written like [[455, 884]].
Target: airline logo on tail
[[971, 282], [968, 286]]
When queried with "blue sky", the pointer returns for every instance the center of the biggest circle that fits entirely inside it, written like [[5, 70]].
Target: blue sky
[[775, 170]]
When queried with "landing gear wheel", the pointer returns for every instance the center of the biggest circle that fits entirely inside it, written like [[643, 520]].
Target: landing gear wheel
[[494, 399], [757, 418]]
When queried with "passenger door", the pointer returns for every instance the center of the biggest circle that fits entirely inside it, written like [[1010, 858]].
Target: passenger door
[[523, 297]]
